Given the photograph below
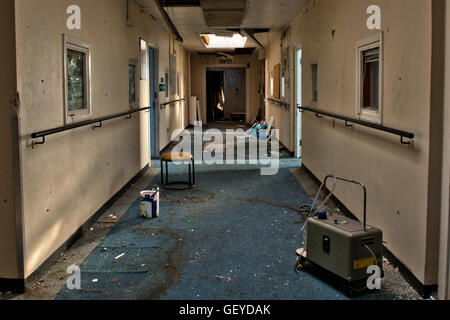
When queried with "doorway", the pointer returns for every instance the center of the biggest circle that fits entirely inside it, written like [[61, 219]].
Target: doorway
[[215, 95], [226, 94], [298, 100], [153, 101]]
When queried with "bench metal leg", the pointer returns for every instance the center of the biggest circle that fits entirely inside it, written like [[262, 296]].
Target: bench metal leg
[[190, 175], [162, 173], [167, 172], [193, 171], [165, 184]]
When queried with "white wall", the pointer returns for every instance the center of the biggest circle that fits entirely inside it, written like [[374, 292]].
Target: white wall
[[283, 118], [444, 255], [174, 116], [397, 176], [10, 236], [70, 177]]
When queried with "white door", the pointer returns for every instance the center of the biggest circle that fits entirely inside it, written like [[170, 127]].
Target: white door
[[298, 95]]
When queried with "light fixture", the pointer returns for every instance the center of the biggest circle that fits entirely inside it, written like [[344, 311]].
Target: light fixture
[[219, 42]]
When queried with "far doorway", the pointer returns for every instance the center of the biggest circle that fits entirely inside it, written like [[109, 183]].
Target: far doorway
[[226, 94]]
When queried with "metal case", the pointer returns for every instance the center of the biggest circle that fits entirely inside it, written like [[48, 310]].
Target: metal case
[[338, 244]]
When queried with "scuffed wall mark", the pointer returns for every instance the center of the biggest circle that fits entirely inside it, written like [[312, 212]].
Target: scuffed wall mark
[[309, 7], [397, 93]]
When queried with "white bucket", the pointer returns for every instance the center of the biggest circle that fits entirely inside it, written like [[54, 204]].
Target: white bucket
[[150, 204]]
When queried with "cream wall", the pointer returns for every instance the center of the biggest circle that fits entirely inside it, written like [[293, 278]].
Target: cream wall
[[70, 177], [199, 64], [396, 176], [283, 118], [444, 255], [10, 235], [176, 115]]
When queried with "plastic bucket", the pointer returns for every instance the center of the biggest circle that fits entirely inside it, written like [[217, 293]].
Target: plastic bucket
[[149, 204]]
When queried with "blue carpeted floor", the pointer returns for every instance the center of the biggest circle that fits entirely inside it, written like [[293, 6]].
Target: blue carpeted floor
[[232, 237]]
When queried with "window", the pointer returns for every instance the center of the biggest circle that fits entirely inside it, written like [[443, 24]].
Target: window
[[144, 59], [178, 85], [224, 42], [369, 79], [315, 83], [283, 85], [132, 83], [77, 83]]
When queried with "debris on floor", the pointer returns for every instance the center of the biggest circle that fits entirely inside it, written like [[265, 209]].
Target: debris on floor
[[119, 256], [90, 290]]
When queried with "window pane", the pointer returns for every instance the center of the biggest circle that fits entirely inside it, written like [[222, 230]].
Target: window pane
[[371, 78], [315, 82], [76, 80], [144, 60], [132, 83]]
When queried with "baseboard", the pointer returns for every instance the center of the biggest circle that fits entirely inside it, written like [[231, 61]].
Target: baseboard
[[424, 290], [20, 286], [12, 285]]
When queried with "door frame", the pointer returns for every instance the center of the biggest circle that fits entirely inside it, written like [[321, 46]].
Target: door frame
[[203, 106], [297, 113], [267, 88], [153, 76]]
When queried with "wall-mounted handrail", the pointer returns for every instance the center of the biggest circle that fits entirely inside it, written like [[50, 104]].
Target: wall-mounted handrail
[[279, 102], [401, 133], [97, 123], [163, 105]]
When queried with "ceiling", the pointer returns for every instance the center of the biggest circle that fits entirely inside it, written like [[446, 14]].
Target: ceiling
[[192, 19]]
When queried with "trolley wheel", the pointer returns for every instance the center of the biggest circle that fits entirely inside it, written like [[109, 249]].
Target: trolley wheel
[[349, 291], [299, 265], [354, 289]]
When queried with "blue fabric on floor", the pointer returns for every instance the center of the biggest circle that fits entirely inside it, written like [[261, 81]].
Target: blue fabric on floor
[[233, 237]]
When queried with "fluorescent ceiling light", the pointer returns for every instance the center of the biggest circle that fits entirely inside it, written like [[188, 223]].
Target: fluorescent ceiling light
[[218, 42]]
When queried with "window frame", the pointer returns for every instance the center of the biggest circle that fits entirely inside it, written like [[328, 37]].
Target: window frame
[[375, 41], [134, 62], [78, 45]]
